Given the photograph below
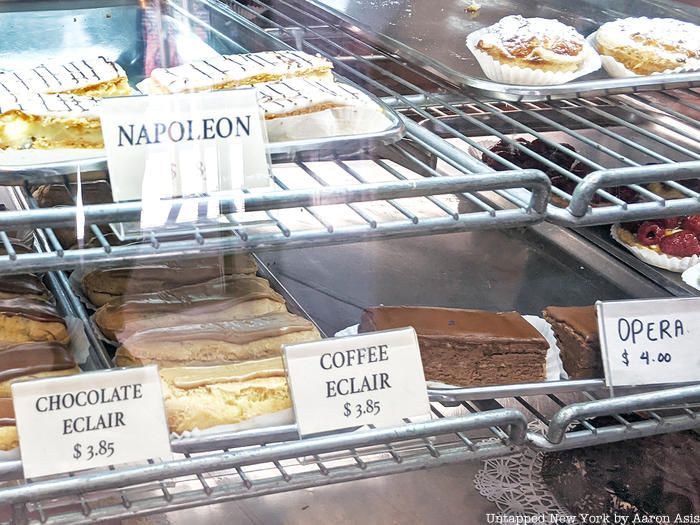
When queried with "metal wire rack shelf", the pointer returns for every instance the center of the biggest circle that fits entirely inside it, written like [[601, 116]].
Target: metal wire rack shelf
[[628, 141], [582, 413], [202, 479], [335, 203]]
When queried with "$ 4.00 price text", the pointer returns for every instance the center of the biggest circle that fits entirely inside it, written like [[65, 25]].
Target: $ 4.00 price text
[[88, 452], [646, 358], [369, 407]]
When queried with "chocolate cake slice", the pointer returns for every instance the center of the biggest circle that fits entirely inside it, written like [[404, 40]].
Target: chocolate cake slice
[[468, 347], [576, 330]]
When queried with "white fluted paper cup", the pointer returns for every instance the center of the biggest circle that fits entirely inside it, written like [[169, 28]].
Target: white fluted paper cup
[[617, 69], [649, 256], [522, 76], [691, 276]]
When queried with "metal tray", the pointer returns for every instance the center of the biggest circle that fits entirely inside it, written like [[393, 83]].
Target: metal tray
[[129, 32], [433, 35]]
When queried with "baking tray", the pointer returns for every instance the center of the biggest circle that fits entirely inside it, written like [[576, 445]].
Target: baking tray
[[433, 34], [140, 36]]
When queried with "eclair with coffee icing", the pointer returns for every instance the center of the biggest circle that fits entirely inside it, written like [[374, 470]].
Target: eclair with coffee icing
[[207, 396]]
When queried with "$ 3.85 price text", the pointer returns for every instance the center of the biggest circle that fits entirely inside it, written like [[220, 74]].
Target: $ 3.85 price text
[[369, 407], [646, 358], [88, 452]]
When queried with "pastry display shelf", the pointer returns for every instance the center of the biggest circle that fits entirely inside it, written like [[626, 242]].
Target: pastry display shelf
[[582, 413], [337, 203], [193, 479], [616, 137]]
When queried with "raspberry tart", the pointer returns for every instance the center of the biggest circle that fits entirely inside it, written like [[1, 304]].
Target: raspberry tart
[[671, 243]]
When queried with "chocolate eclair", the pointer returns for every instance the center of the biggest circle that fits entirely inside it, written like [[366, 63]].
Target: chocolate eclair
[[216, 342], [223, 299], [468, 347], [8, 430], [23, 319], [33, 359], [101, 286], [24, 362], [92, 192], [13, 286]]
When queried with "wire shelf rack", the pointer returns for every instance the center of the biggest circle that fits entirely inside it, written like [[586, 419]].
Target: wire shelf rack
[[315, 203], [200, 479], [612, 158], [582, 413]]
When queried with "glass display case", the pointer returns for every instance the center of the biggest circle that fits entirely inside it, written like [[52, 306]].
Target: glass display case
[[404, 183]]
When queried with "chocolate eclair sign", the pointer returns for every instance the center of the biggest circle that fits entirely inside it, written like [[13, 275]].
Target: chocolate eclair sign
[[184, 144], [647, 342], [371, 379], [90, 420]]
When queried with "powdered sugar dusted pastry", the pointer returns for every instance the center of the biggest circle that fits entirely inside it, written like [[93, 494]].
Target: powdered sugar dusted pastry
[[298, 96], [35, 120], [96, 76], [650, 45], [534, 43], [230, 71]]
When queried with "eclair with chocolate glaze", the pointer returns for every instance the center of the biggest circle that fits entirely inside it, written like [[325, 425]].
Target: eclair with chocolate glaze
[[24, 320], [8, 430], [224, 299], [219, 342], [24, 362], [32, 360], [101, 286], [13, 286]]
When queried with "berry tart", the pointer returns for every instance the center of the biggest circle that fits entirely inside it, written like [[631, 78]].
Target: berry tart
[[671, 243]]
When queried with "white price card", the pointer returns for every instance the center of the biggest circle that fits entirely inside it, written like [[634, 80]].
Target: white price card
[[652, 341], [90, 420], [370, 379], [166, 146]]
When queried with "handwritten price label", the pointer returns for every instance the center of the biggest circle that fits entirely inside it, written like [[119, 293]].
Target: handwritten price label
[[649, 342]]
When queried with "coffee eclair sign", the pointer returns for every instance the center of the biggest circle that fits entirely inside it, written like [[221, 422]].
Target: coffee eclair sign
[[371, 379]]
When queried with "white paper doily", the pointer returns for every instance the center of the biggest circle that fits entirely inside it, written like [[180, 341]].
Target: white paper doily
[[515, 484]]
